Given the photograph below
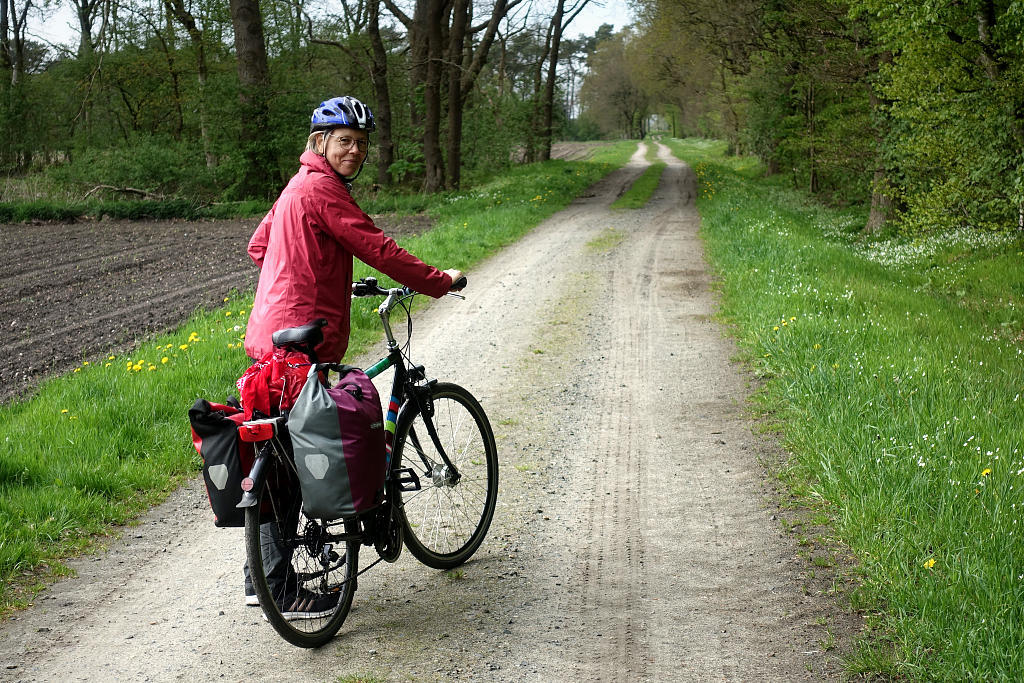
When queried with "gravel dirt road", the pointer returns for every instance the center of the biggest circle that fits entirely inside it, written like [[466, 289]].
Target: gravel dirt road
[[634, 540]]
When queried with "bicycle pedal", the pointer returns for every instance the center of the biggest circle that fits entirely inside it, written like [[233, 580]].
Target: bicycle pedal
[[407, 479]]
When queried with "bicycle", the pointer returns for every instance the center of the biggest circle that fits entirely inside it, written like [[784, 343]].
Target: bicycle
[[440, 490]]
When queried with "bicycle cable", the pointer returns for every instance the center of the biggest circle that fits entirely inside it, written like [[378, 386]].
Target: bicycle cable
[[406, 304]]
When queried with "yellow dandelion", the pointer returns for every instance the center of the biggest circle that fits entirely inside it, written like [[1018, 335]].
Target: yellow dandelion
[[985, 472], [227, 314], [929, 563], [78, 369], [183, 347], [165, 360], [85, 362], [65, 411], [110, 357]]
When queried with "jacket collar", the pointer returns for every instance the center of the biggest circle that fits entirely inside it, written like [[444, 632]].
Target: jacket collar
[[315, 162]]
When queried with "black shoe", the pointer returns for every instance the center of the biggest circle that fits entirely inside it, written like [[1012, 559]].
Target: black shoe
[[308, 605]]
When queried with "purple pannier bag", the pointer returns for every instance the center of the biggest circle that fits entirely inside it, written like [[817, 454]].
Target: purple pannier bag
[[337, 434]]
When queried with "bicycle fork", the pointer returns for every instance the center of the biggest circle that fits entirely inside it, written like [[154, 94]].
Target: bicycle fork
[[449, 474]]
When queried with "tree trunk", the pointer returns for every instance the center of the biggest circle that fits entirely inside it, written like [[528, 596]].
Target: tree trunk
[[548, 106], [86, 11], [881, 195], [533, 131], [466, 73], [433, 162], [5, 40], [379, 78], [456, 61], [176, 8], [254, 82], [812, 160], [881, 203]]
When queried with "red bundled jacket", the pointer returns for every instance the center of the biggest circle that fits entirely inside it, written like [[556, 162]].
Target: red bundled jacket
[[304, 248]]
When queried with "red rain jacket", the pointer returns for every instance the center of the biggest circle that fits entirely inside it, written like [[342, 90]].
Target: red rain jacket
[[304, 248]]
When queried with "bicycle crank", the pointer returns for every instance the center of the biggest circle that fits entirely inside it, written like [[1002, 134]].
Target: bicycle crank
[[388, 538]]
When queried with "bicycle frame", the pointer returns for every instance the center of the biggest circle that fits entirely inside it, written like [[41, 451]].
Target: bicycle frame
[[409, 391], [405, 386]]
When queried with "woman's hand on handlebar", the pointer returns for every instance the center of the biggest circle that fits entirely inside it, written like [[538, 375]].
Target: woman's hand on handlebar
[[458, 279]]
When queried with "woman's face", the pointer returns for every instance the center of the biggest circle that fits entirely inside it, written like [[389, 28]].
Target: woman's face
[[345, 149]]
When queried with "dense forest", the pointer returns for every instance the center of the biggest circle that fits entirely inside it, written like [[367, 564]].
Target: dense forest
[[210, 98], [915, 110]]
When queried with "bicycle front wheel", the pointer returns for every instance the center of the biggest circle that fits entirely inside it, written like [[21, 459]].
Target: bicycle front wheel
[[446, 520], [303, 573]]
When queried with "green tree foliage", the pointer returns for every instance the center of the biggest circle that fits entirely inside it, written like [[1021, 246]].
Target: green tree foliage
[[916, 107], [615, 92], [152, 99], [954, 88]]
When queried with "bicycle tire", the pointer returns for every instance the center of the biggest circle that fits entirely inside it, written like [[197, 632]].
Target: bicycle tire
[[304, 548], [445, 522]]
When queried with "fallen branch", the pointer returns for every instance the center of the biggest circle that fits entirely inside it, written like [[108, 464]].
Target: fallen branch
[[126, 190]]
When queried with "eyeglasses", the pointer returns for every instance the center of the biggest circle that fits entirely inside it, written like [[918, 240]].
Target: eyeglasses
[[347, 142]]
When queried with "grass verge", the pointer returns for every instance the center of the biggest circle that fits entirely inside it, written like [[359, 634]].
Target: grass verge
[[892, 371], [642, 188], [94, 449]]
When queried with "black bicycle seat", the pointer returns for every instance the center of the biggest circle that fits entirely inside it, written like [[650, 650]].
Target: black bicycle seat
[[309, 335]]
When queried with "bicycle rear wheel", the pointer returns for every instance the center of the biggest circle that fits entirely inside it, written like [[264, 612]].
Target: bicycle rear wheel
[[447, 519], [304, 575]]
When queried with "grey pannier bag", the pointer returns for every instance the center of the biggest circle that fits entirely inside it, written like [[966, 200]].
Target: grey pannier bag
[[337, 435]]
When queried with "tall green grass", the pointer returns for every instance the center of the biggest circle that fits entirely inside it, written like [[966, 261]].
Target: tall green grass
[[893, 370], [94, 449]]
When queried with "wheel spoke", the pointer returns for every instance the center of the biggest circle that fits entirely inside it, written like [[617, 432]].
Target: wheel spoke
[[447, 521]]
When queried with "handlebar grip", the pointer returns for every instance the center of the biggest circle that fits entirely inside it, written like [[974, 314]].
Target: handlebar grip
[[366, 287], [459, 284]]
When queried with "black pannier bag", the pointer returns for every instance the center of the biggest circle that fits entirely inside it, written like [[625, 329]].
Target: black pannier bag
[[226, 458]]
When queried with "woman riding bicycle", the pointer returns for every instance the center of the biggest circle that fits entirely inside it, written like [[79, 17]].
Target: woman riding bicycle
[[304, 248]]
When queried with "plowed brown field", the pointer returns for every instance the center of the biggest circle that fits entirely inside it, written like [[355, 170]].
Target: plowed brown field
[[71, 292]]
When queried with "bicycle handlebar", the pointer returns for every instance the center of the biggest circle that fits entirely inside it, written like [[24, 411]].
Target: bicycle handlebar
[[368, 286]]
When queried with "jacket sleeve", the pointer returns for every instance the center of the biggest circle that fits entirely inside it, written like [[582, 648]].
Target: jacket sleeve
[[356, 232], [261, 238]]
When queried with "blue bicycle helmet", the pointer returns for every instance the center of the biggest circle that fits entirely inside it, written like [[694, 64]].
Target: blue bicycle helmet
[[342, 111]]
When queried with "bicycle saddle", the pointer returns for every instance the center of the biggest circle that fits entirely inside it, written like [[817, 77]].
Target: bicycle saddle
[[310, 334]]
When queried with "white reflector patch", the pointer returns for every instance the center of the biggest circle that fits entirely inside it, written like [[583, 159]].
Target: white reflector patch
[[317, 464], [218, 475]]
